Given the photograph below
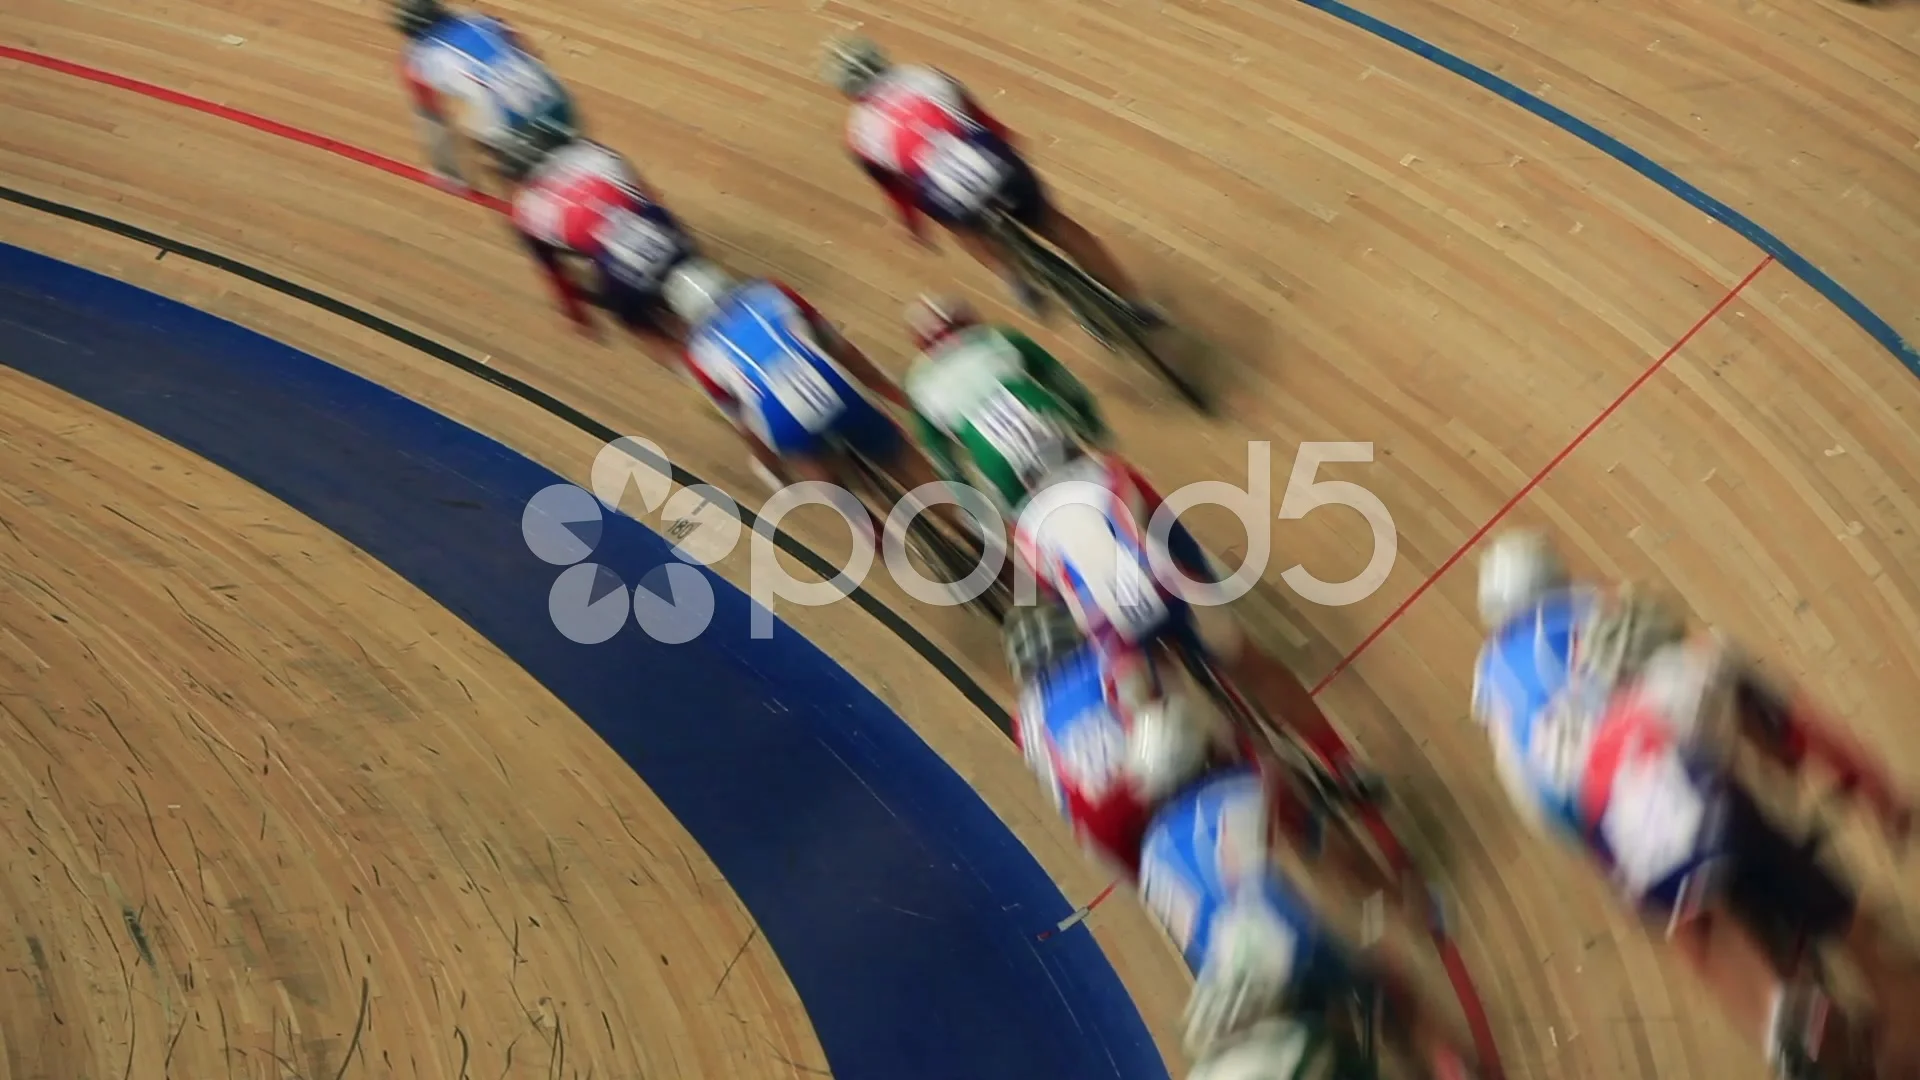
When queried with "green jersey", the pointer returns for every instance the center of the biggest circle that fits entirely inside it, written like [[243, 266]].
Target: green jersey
[[995, 410]]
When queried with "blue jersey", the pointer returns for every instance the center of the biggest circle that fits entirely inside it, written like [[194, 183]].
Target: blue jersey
[[1539, 716], [496, 89], [1205, 852], [760, 352]]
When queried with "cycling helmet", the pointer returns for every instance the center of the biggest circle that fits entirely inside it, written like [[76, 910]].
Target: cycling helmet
[[852, 64], [1517, 570], [694, 289], [932, 318], [534, 141], [414, 17], [1279, 1048], [1036, 637]]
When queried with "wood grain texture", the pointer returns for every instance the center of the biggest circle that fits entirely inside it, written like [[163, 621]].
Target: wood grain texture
[[270, 812], [1386, 252]]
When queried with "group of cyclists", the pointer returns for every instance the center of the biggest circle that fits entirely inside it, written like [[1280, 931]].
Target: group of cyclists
[[1612, 722]]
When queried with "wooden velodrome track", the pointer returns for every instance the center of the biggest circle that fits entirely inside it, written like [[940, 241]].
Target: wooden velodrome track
[[1389, 252]]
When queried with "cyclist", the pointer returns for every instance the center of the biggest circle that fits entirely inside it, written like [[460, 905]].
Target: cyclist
[[472, 74], [1158, 788], [1086, 536], [1615, 727], [936, 153], [992, 408], [787, 380], [581, 202]]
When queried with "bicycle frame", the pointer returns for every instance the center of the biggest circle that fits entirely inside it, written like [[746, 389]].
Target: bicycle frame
[[936, 547], [1106, 317]]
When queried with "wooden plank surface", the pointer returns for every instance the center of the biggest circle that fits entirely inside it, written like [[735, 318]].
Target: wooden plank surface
[[1387, 252]]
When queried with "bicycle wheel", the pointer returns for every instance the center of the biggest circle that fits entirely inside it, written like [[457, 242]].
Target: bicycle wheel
[[1050, 271], [1364, 821]]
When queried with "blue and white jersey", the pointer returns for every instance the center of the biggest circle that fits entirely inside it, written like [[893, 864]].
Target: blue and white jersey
[[1206, 851], [494, 87], [1540, 718], [760, 353]]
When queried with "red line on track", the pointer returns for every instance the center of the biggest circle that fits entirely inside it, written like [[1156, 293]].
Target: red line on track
[[1527, 488], [253, 120]]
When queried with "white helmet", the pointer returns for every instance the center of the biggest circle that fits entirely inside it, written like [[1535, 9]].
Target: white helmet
[[1520, 567], [1276, 1049], [852, 64], [1168, 743], [694, 289]]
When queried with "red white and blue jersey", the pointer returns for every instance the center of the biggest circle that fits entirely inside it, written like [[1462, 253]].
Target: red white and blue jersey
[[1604, 763], [1085, 535], [1073, 726], [918, 127], [470, 70], [587, 200], [1207, 852]]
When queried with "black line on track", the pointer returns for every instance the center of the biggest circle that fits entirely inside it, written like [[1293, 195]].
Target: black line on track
[[535, 396]]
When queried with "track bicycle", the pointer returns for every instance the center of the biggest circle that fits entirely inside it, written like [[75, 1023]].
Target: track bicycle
[[930, 541], [1110, 320], [1358, 809]]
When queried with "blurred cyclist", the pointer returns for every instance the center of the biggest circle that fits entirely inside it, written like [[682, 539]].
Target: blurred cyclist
[[993, 409], [1086, 534], [1615, 727], [1157, 787], [583, 212], [471, 75], [935, 152], [787, 380]]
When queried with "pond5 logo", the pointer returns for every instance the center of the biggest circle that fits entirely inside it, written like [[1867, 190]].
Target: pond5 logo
[[563, 524]]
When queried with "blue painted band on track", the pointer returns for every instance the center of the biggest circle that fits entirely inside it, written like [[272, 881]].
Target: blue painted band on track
[[1850, 305], [900, 906]]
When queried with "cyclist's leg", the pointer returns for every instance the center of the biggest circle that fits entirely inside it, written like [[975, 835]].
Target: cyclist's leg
[[1891, 973], [1738, 922]]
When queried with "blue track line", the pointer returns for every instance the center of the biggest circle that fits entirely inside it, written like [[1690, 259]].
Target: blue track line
[[1875, 326]]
